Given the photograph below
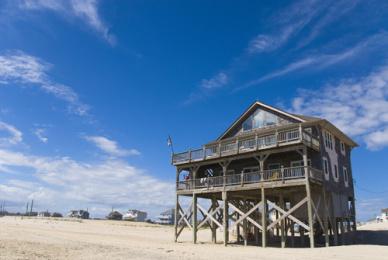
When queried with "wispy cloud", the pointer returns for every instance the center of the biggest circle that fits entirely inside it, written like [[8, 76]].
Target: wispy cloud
[[207, 87], [40, 133], [321, 61], [219, 80], [13, 135], [358, 106], [61, 183], [287, 24], [20, 68], [110, 147], [85, 10], [309, 16], [333, 13]]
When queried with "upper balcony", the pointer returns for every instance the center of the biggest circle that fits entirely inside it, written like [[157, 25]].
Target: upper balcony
[[248, 143], [273, 177]]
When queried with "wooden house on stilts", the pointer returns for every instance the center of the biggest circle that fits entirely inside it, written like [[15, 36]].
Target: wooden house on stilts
[[274, 178]]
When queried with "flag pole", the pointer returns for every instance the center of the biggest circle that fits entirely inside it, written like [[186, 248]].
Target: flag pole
[[169, 143]]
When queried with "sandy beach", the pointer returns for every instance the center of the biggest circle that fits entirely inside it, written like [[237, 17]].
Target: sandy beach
[[33, 238]]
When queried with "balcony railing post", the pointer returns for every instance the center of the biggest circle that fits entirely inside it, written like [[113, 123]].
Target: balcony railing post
[[276, 137], [282, 172], [219, 149], [300, 133], [242, 178], [306, 172]]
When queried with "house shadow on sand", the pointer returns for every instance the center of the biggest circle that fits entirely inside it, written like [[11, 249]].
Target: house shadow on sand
[[372, 237]]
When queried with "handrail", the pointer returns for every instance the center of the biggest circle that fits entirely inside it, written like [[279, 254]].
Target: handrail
[[248, 143], [282, 174]]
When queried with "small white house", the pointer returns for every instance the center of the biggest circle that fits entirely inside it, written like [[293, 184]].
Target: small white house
[[135, 215], [384, 215], [166, 217]]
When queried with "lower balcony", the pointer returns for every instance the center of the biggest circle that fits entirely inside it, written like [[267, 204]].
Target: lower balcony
[[283, 175]]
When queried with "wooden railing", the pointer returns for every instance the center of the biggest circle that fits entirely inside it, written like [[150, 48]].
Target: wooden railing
[[282, 174], [247, 144]]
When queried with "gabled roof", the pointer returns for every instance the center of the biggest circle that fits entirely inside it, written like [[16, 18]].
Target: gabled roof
[[252, 108], [305, 120]]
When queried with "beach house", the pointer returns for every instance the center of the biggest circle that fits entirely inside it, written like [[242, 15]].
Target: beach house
[[275, 177]]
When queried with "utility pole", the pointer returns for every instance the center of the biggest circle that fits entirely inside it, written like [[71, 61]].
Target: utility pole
[[32, 204], [27, 208]]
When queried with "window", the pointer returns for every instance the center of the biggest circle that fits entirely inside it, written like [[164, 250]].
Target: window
[[328, 140], [273, 166], [300, 163], [336, 172], [260, 119], [343, 151], [326, 167], [229, 172], [346, 176], [250, 169]]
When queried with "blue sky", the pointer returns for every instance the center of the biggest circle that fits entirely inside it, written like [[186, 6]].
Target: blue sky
[[91, 89]]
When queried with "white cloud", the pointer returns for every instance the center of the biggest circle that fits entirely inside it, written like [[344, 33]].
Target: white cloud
[[110, 147], [358, 106], [14, 135], [378, 139], [18, 67], [40, 133], [85, 10], [219, 80], [60, 183]]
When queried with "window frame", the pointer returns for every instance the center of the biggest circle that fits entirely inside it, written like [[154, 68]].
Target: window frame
[[328, 140], [272, 164], [326, 170], [251, 169], [343, 148], [346, 175], [336, 175]]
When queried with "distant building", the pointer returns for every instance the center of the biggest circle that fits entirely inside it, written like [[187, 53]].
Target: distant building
[[44, 214], [115, 215], [166, 217], [83, 214], [31, 214], [56, 215], [135, 215], [384, 215]]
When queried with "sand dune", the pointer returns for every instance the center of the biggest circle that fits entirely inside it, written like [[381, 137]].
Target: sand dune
[[32, 238]]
